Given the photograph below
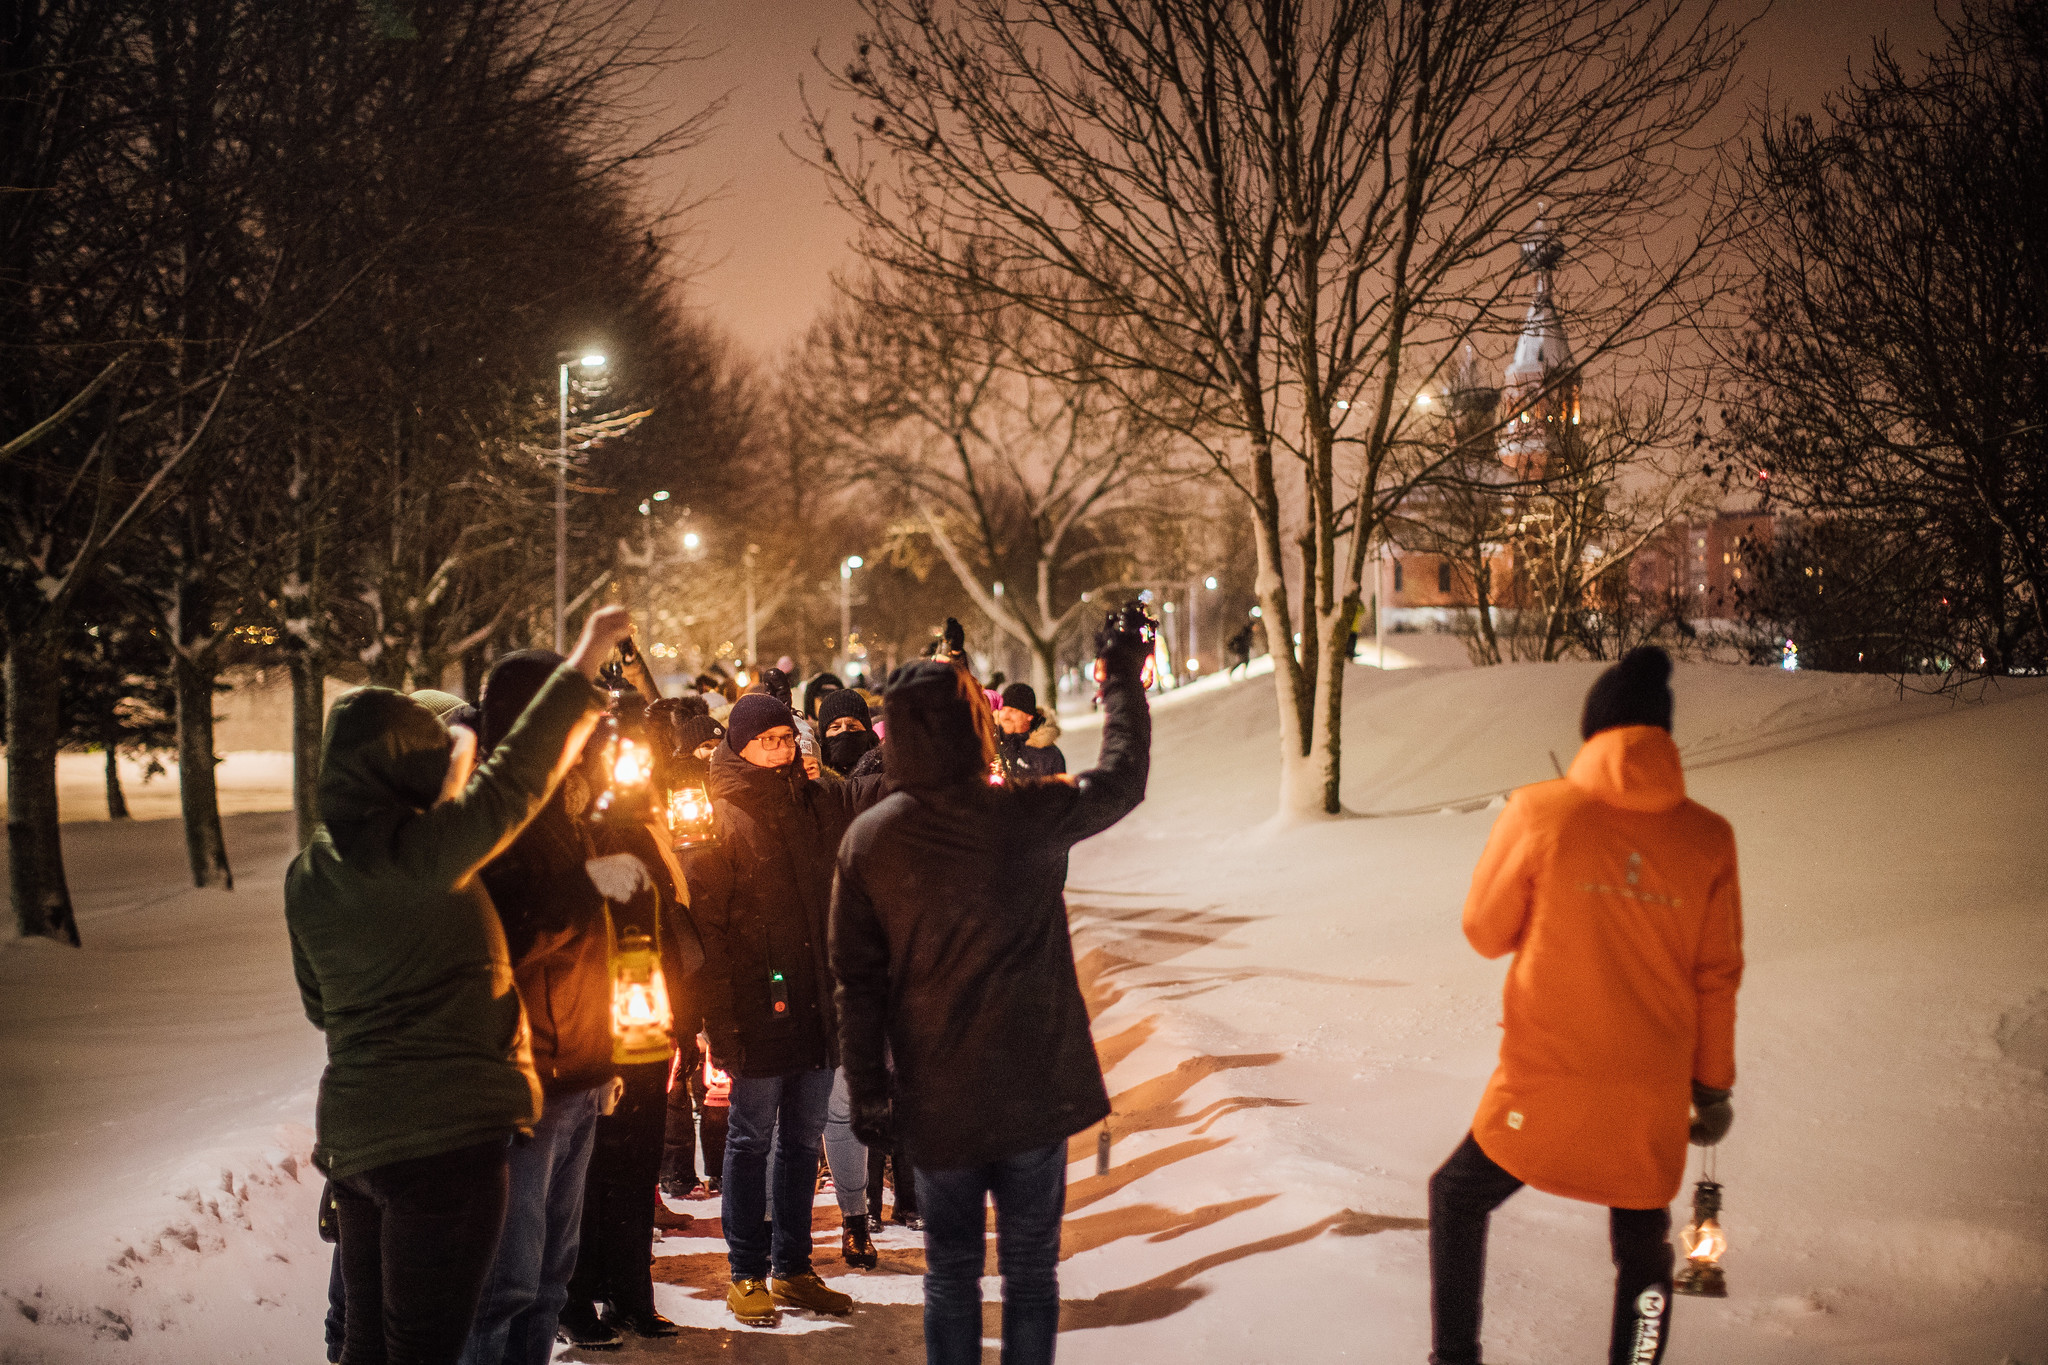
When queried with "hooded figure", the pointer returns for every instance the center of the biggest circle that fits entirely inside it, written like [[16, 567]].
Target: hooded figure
[[402, 963], [1618, 897], [951, 949]]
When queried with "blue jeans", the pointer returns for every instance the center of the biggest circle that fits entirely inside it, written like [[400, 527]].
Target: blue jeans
[[529, 1281], [846, 1154], [1030, 1190], [777, 1122]]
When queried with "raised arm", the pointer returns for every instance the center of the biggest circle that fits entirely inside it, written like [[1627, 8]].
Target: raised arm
[[456, 837]]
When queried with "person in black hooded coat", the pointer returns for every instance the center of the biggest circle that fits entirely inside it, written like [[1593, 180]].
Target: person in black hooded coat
[[951, 949]]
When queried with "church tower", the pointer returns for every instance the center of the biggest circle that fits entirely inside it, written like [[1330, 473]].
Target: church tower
[[1541, 390]]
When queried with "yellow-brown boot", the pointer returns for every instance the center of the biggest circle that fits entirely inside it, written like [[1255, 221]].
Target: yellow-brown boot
[[751, 1303], [808, 1291]]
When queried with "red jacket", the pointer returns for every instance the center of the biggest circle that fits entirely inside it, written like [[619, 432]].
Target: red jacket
[[1618, 898]]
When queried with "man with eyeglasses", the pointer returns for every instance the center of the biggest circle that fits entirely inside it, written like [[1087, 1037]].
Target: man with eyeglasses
[[760, 897]]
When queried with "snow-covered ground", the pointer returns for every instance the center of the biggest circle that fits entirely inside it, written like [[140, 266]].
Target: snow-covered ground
[[1295, 1035]]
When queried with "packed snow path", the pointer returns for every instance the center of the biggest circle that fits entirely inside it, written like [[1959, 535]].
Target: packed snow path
[[1295, 1035]]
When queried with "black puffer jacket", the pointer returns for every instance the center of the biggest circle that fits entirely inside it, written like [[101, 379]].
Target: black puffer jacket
[[950, 943], [759, 898]]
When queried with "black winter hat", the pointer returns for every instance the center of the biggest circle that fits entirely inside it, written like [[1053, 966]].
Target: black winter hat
[[751, 716], [1636, 691], [816, 690], [697, 731], [512, 682], [844, 702], [931, 739], [1019, 696]]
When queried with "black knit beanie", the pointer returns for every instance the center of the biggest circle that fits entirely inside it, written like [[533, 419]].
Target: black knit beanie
[[1636, 691], [751, 716], [1018, 696], [844, 702], [697, 731]]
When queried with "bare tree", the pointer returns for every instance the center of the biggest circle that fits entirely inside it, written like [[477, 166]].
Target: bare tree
[[1286, 217], [949, 406], [1892, 375]]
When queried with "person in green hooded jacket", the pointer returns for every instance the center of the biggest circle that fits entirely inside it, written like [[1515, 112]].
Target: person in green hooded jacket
[[402, 962]]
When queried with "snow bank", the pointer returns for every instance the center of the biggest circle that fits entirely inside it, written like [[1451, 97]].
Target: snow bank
[[1295, 1035]]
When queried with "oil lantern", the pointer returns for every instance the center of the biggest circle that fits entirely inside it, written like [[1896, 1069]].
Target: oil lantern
[[641, 1021], [1705, 1243], [690, 821]]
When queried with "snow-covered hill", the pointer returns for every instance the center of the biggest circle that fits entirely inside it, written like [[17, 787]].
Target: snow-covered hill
[[1295, 1035]]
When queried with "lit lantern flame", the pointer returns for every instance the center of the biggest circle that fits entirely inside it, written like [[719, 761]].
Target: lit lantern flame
[[629, 768], [640, 1008], [1706, 1244], [690, 818]]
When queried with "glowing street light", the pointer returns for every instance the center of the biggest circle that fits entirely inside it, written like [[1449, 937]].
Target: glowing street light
[[846, 568], [691, 540]]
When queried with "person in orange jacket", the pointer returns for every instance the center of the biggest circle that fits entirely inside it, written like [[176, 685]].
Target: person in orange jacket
[[1618, 897]]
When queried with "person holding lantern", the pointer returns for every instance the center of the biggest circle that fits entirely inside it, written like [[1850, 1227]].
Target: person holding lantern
[[1618, 897], [759, 896], [402, 962], [557, 928], [952, 954]]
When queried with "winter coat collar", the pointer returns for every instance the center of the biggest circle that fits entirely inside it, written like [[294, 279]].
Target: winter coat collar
[[1635, 767], [755, 788]]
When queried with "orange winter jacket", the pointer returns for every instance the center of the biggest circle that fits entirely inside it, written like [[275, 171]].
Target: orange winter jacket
[[1618, 898]]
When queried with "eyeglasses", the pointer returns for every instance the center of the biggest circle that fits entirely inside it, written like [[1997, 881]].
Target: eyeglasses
[[773, 742]]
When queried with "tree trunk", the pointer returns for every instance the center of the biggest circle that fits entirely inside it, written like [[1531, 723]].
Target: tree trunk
[[1045, 674], [198, 798], [308, 704], [1327, 743], [35, 851], [117, 803]]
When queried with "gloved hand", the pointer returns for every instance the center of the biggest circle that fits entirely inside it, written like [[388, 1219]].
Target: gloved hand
[[1124, 644], [1713, 1114], [874, 1123]]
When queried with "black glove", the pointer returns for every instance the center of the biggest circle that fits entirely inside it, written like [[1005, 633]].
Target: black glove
[[874, 1123], [1713, 1114], [1124, 643], [954, 647]]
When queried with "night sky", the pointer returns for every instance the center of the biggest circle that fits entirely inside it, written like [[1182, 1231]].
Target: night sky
[[769, 241]]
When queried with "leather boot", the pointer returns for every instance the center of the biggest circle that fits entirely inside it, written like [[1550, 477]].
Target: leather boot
[[856, 1247]]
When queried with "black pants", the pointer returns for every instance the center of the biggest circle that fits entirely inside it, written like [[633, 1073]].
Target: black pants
[[417, 1239], [614, 1261], [1464, 1193], [679, 1129], [903, 1178]]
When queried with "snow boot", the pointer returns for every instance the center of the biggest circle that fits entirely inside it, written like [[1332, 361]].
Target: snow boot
[[806, 1290], [856, 1247], [751, 1303], [641, 1322], [580, 1326]]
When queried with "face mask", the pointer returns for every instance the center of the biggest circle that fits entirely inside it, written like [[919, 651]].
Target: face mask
[[845, 749]]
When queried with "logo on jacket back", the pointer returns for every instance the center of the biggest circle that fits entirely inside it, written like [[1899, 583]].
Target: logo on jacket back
[[1630, 891]]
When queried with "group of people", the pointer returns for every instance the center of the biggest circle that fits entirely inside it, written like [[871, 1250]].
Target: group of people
[[494, 1164], [873, 951]]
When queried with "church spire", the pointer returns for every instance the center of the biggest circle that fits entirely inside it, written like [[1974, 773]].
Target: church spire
[[1542, 390]]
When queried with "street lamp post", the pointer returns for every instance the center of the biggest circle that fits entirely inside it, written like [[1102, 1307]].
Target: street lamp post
[[589, 360], [846, 568], [747, 560]]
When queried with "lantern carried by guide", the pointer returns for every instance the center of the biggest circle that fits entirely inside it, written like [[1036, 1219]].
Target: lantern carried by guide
[[1705, 1243], [690, 819]]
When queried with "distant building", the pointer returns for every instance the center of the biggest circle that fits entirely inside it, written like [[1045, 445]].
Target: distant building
[[1540, 392]]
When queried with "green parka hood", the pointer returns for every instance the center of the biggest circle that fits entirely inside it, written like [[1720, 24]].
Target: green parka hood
[[383, 758]]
